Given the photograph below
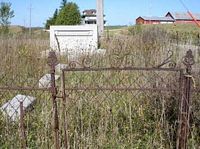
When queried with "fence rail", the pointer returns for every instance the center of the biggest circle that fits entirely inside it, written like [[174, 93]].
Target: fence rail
[[91, 102]]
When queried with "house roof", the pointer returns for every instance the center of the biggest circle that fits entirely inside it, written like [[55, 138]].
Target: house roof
[[157, 18], [183, 15], [89, 12]]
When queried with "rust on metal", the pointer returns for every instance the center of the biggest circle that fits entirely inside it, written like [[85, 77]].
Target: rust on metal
[[64, 102], [184, 108], [188, 61], [85, 63], [23, 88], [168, 60], [22, 128], [52, 62], [123, 68], [120, 89], [184, 90]]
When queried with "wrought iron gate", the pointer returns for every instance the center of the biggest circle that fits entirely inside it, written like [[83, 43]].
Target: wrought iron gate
[[109, 107], [91, 94]]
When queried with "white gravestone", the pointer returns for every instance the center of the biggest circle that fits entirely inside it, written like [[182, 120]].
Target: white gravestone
[[12, 107], [59, 68], [45, 81], [74, 40]]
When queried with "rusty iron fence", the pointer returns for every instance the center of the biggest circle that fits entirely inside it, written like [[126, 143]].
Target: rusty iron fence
[[92, 107]]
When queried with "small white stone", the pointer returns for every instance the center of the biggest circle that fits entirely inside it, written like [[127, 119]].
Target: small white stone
[[45, 81], [12, 107], [59, 68]]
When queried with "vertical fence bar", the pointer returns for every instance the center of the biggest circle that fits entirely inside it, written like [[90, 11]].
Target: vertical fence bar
[[198, 43], [177, 38], [52, 62], [21, 126], [64, 110], [184, 105]]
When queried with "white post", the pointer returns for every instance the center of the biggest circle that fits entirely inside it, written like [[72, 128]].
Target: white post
[[100, 17]]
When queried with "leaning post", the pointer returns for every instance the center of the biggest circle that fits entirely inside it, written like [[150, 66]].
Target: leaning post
[[21, 125], [52, 62], [184, 105]]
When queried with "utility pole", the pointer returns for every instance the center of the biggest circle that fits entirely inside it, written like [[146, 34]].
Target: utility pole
[[100, 17], [30, 19]]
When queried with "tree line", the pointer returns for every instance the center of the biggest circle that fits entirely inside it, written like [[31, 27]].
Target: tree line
[[67, 14]]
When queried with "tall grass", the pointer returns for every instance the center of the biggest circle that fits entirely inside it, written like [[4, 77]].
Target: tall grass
[[99, 118]]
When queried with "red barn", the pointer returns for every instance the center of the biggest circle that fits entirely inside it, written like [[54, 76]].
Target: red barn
[[171, 17], [154, 20], [183, 17]]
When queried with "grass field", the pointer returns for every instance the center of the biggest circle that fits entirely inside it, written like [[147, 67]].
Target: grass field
[[100, 119]]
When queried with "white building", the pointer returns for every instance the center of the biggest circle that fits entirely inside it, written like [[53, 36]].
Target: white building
[[90, 17]]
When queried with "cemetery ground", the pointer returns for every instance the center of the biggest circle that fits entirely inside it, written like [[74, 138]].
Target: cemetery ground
[[100, 119]]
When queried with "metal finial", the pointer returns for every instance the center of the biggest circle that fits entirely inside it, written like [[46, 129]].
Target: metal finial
[[52, 59], [188, 60]]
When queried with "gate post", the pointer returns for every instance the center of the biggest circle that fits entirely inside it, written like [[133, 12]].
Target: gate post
[[52, 62], [184, 105], [21, 126], [64, 110]]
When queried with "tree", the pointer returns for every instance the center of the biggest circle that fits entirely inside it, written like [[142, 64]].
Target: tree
[[52, 21], [69, 15], [63, 4], [5, 15]]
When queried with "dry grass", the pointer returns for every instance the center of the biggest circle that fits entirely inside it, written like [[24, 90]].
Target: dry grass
[[98, 119]]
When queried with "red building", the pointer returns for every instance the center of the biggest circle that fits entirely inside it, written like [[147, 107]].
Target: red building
[[170, 17], [183, 18], [154, 20]]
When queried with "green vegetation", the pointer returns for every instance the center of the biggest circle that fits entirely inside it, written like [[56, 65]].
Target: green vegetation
[[68, 14], [5, 15], [99, 118]]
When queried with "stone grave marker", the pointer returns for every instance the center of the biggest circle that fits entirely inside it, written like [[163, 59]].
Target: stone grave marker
[[59, 68], [74, 40], [12, 107], [45, 81]]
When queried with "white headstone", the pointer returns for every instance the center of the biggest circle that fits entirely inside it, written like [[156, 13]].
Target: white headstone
[[12, 107], [59, 68], [74, 40], [45, 81]]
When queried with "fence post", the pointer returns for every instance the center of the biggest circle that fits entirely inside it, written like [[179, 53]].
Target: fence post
[[21, 126], [184, 105], [52, 62], [198, 43], [177, 38], [64, 110]]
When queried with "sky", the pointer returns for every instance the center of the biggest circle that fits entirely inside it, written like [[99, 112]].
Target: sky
[[118, 12]]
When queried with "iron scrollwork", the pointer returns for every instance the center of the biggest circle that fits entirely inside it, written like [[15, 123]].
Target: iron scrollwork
[[85, 63], [168, 60], [116, 60]]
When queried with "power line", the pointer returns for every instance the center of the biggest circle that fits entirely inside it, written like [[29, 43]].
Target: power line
[[190, 14], [184, 5]]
